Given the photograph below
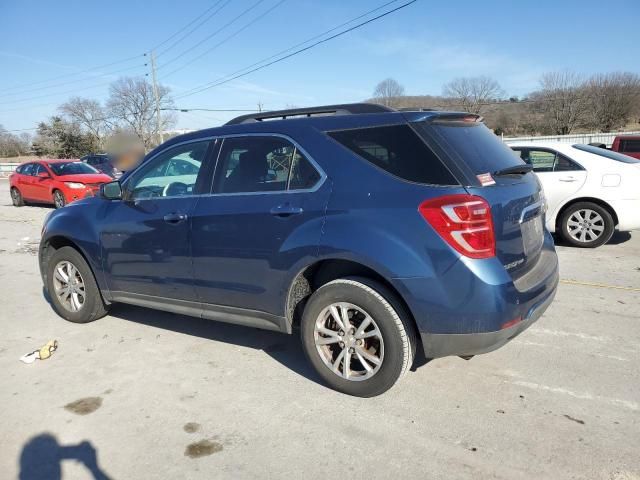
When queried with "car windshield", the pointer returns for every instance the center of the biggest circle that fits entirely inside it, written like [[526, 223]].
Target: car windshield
[[71, 168], [618, 157]]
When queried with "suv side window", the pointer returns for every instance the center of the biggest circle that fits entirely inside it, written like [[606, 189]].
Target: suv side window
[[262, 164], [26, 169], [303, 175], [161, 178], [37, 169]]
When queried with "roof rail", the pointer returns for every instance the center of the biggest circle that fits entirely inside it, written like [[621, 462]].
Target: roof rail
[[345, 109]]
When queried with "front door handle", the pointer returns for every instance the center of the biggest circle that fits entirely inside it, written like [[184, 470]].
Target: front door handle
[[285, 210], [568, 179], [175, 218]]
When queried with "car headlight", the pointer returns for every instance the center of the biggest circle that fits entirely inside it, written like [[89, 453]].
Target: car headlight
[[74, 184]]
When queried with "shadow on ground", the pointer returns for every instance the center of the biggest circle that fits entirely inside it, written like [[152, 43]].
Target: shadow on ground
[[42, 457], [285, 349], [616, 239]]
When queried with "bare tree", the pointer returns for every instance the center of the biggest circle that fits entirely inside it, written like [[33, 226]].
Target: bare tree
[[90, 115], [612, 99], [388, 91], [132, 103], [562, 101], [473, 93], [12, 145]]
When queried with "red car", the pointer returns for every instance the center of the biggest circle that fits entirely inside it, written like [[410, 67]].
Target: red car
[[55, 181]]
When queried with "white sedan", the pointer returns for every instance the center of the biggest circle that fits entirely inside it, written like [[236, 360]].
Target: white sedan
[[590, 191]]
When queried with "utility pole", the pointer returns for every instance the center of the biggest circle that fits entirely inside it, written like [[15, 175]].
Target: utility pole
[[259, 106], [157, 97]]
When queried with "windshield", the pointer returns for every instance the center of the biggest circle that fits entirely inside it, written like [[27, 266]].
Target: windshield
[[618, 157], [71, 168]]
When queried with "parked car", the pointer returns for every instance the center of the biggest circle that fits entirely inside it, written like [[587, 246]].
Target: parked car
[[378, 233], [627, 144], [54, 181], [590, 191], [103, 163]]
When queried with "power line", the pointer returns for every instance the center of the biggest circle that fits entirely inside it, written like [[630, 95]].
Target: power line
[[296, 52], [205, 20], [89, 87], [215, 32], [71, 81], [225, 40], [76, 73]]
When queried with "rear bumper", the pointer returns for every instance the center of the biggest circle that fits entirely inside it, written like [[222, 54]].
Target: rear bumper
[[465, 344], [628, 213]]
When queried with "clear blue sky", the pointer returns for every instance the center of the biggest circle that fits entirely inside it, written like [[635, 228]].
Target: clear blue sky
[[422, 46]]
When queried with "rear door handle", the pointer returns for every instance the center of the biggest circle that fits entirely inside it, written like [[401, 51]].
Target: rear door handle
[[285, 210], [568, 179], [175, 218]]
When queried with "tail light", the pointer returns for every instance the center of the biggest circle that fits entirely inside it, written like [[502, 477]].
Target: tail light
[[464, 222]]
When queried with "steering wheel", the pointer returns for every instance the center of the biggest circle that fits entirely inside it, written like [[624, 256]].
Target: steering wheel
[[175, 189]]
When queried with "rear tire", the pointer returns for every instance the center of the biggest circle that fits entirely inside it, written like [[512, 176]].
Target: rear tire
[[16, 197], [73, 290], [379, 340], [58, 199], [586, 225]]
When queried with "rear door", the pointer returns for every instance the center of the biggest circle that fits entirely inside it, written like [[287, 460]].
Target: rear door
[[264, 216], [517, 205]]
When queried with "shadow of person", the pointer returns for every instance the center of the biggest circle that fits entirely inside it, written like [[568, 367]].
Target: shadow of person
[[42, 458]]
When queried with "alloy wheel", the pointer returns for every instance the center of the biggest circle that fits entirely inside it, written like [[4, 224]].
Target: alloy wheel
[[349, 341], [58, 199], [585, 225], [69, 286]]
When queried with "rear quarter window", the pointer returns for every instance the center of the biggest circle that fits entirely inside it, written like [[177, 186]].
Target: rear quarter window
[[399, 151]]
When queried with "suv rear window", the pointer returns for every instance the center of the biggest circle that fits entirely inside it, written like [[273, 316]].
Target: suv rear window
[[476, 145], [397, 150]]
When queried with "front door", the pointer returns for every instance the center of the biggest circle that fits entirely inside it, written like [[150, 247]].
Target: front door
[[146, 237], [265, 216]]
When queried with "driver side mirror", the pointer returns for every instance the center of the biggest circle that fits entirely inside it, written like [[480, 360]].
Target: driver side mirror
[[44, 175], [111, 191]]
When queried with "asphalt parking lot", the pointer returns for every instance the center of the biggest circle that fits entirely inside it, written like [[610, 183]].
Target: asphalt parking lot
[[145, 394]]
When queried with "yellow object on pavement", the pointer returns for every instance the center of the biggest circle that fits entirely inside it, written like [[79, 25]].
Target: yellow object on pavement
[[43, 353]]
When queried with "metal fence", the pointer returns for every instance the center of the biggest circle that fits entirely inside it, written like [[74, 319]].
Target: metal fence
[[7, 168], [606, 138]]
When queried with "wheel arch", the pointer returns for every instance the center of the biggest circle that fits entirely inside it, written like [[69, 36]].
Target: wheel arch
[[53, 243], [323, 271], [573, 201]]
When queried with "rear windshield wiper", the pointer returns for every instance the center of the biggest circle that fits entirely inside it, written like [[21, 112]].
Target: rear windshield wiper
[[513, 170]]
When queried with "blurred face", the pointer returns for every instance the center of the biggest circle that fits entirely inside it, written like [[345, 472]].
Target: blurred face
[[129, 158]]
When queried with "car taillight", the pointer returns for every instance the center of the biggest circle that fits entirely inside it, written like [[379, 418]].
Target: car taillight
[[464, 222]]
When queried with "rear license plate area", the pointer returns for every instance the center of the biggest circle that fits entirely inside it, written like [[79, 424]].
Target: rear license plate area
[[532, 235]]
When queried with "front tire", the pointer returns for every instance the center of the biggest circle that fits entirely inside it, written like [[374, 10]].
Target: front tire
[[586, 225], [58, 199], [357, 336], [16, 197], [73, 290]]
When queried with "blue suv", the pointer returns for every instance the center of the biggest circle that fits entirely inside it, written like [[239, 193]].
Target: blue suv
[[377, 234]]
